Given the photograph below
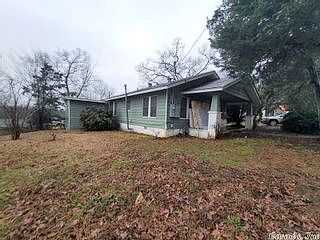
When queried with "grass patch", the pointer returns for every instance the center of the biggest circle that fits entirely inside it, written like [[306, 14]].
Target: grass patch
[[234, 152], [111, 204], [236, 222], [120, 164], [4, 229], [10, 179]]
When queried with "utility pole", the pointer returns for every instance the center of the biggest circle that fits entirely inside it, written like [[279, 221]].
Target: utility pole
[[126, 102]]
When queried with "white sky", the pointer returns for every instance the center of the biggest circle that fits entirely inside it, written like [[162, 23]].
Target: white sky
[[118, 34]]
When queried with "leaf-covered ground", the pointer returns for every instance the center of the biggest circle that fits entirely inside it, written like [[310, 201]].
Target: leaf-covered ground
[[116, 185]]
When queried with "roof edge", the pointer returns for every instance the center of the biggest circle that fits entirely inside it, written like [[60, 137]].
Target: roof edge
[[85, 100], [167, 86]]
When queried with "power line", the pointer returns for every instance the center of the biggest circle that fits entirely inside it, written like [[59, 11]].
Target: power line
[[195, 42]]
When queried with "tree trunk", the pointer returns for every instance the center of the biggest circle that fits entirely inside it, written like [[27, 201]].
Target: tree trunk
[[315, 81], [15, 134]]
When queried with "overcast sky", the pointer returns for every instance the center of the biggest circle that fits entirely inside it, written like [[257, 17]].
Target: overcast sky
[[118, 34]]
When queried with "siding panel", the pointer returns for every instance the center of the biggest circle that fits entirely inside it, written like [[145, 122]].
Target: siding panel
[[136, 111], [76, 107], [176, 122]]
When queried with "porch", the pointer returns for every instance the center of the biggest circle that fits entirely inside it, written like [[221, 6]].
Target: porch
[[214, 110]]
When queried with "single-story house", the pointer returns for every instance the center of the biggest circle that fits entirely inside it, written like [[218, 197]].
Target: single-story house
[[196, 106]]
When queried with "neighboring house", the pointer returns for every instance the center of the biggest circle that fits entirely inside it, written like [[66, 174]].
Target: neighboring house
[[194, 106]]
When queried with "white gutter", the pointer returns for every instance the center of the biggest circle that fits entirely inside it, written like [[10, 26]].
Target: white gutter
[[203, 91], [138, 93], [84, 100]]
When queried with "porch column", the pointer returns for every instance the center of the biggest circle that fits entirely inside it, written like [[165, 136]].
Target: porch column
[[214, 119], [249, 117]]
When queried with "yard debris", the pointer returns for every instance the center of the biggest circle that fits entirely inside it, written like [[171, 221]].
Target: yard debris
[[177, 188], [140, 199]]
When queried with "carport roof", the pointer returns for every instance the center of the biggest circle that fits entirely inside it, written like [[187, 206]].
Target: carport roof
[[214, 86]]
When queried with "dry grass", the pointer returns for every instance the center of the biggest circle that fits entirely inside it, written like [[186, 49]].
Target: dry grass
[[86, 186]]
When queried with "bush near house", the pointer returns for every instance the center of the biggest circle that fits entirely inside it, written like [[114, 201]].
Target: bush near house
[[93, 119], [301, 123]]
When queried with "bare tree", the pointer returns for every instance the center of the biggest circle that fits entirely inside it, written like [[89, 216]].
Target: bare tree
[[13, 102], [76, 69], [98, 90], [172, 64]]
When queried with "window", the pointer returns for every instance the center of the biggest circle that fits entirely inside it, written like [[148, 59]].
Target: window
[[145, 106], [114, 110], [183, 107], [153, 107], [150, 105]]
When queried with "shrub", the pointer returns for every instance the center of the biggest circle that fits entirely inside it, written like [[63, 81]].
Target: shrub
[[301, 123], [93, 119]]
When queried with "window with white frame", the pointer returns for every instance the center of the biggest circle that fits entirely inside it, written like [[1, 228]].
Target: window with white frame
[[153, 106], [150, 106]]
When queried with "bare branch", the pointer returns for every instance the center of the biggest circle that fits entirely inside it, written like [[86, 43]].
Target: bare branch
[[172, 64], [76, 68]]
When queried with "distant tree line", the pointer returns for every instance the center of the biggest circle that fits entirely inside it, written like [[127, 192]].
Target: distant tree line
[[32, 86]]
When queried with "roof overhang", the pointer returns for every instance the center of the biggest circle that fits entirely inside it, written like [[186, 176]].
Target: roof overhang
[[251, 91], [211, 74], [209, 89], [84, 100], [138, 93]]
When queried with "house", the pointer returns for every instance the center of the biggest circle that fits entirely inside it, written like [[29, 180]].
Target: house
[[196, 106]]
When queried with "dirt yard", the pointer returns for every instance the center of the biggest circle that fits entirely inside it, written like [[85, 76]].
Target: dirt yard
[[116, 185]]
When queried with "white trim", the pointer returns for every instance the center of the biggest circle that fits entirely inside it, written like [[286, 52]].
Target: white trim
[[156, 106], [203, 91], [84, 100], [149, 107], [138, 93], [199, 133]]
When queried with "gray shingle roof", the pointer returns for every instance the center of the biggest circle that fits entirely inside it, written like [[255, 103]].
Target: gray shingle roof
[[167, 85], [217, 85]]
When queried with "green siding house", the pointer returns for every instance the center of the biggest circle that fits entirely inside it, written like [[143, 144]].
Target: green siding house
[[196, 106]]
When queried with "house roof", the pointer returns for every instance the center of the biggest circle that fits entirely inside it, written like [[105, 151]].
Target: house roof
[[223, 84], [85, 100], [163, 86], [217, 85]]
